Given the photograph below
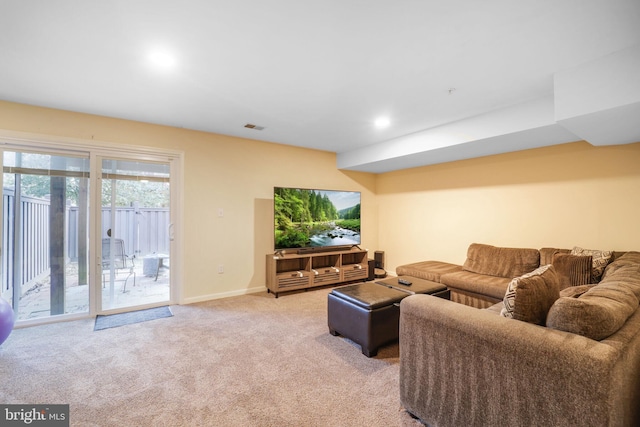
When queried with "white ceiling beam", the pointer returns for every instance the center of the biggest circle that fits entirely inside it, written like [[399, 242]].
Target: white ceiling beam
[[600, 101], [520, 127]]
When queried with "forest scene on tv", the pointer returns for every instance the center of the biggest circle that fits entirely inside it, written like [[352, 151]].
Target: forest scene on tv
[[305, 218]]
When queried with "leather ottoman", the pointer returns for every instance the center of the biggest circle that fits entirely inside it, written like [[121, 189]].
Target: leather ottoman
[[369, 313], [366, 313]]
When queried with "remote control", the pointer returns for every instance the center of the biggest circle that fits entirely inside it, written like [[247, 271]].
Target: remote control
[[404, 282]]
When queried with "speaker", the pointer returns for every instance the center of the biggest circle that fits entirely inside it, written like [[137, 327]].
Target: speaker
[[379, 272], [379, 257], [372, 270]]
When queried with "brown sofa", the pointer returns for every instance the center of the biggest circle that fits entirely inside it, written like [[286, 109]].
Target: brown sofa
[[483, 278], [460, 365]]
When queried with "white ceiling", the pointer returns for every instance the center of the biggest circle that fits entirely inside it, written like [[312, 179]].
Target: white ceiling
[[315, 74]]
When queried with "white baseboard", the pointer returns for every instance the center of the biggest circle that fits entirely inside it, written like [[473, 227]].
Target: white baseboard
[[220, 295]]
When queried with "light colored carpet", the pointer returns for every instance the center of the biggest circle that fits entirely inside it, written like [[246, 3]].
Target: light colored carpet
[[244, 361]]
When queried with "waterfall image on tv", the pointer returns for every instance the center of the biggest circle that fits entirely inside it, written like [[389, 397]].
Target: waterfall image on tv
[[305, 218]]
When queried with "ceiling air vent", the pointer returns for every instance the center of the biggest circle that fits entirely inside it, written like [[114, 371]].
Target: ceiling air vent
[[250, 126]]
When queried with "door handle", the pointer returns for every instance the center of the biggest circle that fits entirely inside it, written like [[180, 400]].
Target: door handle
[[171, 233]]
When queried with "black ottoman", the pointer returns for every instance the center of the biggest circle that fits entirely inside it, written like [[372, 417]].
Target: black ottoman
[[366, 313]]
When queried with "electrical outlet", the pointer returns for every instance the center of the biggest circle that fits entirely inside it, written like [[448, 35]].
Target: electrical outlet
[[220, 212], [220, 269]]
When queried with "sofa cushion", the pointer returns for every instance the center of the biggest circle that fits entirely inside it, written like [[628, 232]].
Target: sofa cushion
[[575, 291], [529, 297], [496, 308], [572, 270], [596, 314], [600, 260], [630, 258], [474, 283], [500, 262], [624, 272], [546, 254], [427, 270]]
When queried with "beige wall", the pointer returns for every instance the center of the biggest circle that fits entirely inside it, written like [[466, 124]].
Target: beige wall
[[237, 175], [562, 196], [572, 194]]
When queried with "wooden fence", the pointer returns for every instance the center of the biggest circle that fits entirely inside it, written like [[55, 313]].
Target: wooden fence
[[34, 224], [144, 231]]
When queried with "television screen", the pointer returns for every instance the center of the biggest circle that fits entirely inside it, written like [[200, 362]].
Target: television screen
[[315, 218]]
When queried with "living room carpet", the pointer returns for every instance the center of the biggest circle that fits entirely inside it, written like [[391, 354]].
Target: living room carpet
[[250, 360], [121, 319]]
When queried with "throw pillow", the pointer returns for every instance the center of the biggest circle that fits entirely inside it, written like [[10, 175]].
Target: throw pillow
[[572, 270], [530, 296], [600, 260]]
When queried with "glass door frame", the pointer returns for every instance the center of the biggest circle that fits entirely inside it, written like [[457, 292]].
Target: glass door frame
[[14, 140], [96, 229], [20, 228]]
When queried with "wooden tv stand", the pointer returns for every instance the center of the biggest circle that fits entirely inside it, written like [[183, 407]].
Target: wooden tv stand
[[288, 272]]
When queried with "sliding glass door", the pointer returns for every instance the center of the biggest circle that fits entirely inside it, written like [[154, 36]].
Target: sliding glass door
[[86, 232], [135, 233], [45, 211]]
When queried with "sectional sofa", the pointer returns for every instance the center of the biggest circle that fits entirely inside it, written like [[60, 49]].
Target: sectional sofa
[[542, 337]]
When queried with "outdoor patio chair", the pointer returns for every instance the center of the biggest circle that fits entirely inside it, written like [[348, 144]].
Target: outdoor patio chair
[[122, 263]]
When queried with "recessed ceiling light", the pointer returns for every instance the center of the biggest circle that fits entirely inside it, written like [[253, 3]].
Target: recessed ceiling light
[[382, 122], [162, 59]]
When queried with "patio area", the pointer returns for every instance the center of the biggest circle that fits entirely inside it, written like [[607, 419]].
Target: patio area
[[35, 301]]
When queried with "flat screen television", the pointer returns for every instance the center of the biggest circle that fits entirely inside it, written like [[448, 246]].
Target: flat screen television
[[310, 218]]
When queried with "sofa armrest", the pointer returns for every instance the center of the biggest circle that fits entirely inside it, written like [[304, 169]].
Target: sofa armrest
[[464, 366]]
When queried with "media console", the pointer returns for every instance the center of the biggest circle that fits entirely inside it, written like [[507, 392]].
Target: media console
[[288, 272]]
